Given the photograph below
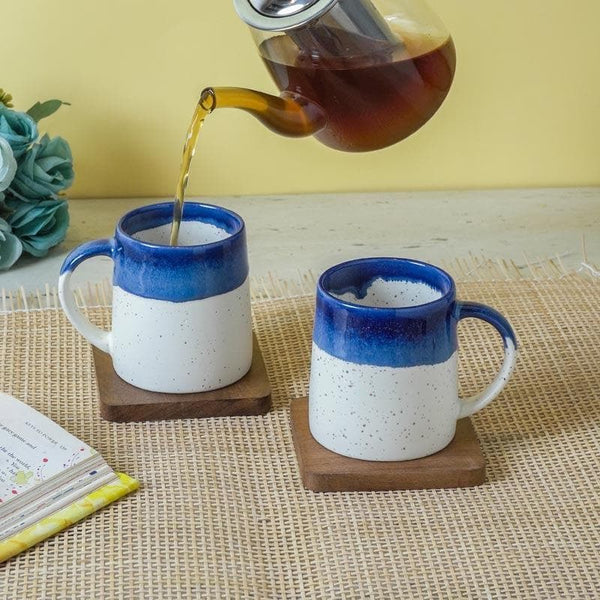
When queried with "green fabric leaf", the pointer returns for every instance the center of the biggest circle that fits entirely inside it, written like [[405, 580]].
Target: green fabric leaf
[[41, 110]]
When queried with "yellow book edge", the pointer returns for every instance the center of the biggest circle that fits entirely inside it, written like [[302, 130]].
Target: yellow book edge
[[67, 516]]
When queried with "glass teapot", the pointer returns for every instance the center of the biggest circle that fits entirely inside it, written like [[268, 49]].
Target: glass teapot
[[356, 74]]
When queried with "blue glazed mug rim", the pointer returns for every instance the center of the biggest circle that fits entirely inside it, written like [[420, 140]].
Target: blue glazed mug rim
[[446, 297], [187, 207]]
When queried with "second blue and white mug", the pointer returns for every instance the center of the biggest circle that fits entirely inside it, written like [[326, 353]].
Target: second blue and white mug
[[181, 318], [384, 377]]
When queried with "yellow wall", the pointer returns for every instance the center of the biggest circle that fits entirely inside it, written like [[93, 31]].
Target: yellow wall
[[524, 109]]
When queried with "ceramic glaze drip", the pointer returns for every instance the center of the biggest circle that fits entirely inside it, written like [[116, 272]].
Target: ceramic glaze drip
[[183, 273], [386, 293], [191, 233], [412, 322]]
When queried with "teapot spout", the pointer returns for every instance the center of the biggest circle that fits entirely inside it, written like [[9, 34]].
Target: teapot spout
[[286, 115]]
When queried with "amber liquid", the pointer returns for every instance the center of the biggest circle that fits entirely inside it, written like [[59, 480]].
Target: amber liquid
[[203, 109], [368, 101]]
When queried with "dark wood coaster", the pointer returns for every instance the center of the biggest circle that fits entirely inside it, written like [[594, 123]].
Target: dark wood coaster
[[461, 464], [123, 402]]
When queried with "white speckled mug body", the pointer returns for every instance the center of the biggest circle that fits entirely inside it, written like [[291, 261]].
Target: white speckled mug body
[[181, 315], [182, 347], [384, 375], [382, 413]]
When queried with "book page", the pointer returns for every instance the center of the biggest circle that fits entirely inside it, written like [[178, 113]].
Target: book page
[[32, 448]]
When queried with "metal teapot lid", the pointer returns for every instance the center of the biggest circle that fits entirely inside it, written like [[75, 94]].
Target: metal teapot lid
[[280, 15]]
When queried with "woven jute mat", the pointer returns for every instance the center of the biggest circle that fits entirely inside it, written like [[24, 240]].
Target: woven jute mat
[[222, 512]]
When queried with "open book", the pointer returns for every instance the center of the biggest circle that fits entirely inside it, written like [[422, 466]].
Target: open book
[[48, 478]]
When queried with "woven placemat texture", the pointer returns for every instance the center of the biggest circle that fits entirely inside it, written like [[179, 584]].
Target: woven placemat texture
[[222, 512]]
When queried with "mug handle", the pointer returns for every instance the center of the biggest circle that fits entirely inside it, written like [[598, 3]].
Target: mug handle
[[475, 310], [104, 247]]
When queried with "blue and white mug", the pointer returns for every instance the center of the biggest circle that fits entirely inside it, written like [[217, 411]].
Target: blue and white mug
[[384, 381], [181, 318]]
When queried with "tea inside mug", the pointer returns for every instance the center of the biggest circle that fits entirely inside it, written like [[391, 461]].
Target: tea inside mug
[[391, 293], [191, 233]]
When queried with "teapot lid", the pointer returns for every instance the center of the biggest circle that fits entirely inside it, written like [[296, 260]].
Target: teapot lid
[[280, 15]]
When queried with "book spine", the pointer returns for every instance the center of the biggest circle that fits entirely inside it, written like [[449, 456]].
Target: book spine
[[67, 516]]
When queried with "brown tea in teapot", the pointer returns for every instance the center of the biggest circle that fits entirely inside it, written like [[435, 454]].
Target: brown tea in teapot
[[369, 101]]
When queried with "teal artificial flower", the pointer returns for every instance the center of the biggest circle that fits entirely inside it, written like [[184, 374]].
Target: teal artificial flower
[[18, 129], [8, 164], [44, 171], [10, 246], [39, 225]]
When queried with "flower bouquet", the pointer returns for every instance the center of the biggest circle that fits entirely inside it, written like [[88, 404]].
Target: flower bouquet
[[34, 172]]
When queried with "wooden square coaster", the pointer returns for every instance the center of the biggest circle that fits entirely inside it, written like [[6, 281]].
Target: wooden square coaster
[[123, 402], [461, 464]]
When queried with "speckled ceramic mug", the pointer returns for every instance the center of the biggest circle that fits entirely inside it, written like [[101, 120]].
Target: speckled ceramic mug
[[383, 382], [181, 315]]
